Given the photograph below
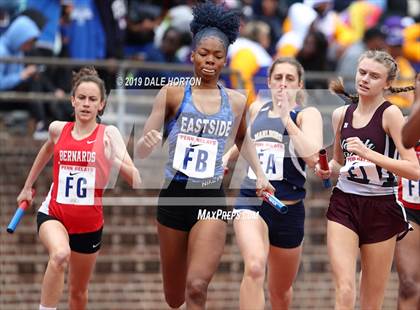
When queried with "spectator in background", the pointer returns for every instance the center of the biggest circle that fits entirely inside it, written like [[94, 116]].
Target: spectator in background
[[18, 39], [362, 15], [51, 10], [142, 19], [8, 8], [166, 53], [249, 56], [46, 46], [86, 35], [313, 57], [300, 18], [171, 42], [399, 7], [374, 39], [394, 29], [269, 12], [411, 45], [113, 18], [178, 17], [338, 34]]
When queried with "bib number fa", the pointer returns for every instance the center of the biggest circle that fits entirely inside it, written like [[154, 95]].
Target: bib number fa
[[271, 156], [76, 185], [195, 156]]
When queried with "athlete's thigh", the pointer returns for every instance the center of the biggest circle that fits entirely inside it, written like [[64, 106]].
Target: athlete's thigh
[[343, 249], [251, 234], [54, 236], [173, 254], [283, 265], [205, 248]]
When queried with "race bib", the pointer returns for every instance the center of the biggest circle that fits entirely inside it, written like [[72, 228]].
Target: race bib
[[271, 155], [360, 171], [195, 156], [411, 191], [76, 185]]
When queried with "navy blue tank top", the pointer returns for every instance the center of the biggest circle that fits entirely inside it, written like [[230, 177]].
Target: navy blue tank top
[[280, 163], [197, 141]]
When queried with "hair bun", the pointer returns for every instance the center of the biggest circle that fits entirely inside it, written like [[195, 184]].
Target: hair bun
[[208, 14], [85, 71]]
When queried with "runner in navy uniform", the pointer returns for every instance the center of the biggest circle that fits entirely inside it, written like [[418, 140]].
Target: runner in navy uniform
[[363, 211], [287, 137], [198, 120]]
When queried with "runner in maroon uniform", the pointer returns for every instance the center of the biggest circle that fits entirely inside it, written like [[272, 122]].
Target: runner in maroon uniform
[[70, 219], [363, 211]]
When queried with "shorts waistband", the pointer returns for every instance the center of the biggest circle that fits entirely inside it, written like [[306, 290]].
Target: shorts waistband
[[379, 197]]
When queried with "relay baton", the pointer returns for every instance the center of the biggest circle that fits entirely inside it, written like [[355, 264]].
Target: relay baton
[[18, 215], [323, 163], [274, 202]]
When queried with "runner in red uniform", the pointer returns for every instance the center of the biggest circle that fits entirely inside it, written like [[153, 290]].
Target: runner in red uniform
[[407, 255], [70, 220], [411, 129]]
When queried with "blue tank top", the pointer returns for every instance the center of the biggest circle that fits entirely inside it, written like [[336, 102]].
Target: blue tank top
[[197, 141], [281, 165]]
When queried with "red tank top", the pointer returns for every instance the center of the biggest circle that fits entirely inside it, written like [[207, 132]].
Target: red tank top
[[80, 174], [409, 191]]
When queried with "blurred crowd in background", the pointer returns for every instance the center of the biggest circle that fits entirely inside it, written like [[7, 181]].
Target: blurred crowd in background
[[324, 35]]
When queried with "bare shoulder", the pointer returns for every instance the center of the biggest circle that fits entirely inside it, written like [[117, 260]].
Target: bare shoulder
[[55, 130], [173, 96], [308, 114], [310, 111], [255, 107], [392, 111], [237, 100], [111, 129], [338, 113], [392, 118]]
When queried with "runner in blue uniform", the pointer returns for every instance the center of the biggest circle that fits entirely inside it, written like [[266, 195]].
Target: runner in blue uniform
[[198, 121]]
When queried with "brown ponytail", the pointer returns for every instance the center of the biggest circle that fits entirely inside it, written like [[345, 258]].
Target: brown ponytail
[[337, 87]]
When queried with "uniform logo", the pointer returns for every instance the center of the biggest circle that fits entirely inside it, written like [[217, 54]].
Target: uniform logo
[[345, 125], [96, 245], [90, 141]]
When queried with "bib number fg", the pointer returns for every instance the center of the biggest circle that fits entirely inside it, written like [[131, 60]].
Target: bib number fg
[[76, 185]]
